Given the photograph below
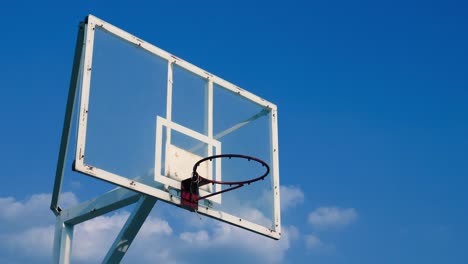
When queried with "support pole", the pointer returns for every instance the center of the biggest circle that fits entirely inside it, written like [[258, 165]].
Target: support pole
[[98, 206], [62, 242], [67, 123], [130, 229]]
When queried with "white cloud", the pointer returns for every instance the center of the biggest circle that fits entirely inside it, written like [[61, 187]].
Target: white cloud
[[37, 204], [214, 240], [249, 245], [28, 226], [155, 226], [327, 218], [234, 243], [292, 232], [156, 242], [332, 217], [211, 239], [197, 237], [254, 215], [93, 238], [291, 196], [315, 244], [312, 242], [36, 241]]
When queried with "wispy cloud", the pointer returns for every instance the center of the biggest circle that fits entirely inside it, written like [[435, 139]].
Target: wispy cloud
[[249, 247], [27, 226], [332, 217], [34, 242], [325, 218], [93, 238], [156, 242], [315, 244], [195, 237], [291, 196], [37, 204]]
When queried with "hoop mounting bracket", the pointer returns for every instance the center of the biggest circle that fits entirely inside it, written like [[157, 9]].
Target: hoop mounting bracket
[[190, 187]]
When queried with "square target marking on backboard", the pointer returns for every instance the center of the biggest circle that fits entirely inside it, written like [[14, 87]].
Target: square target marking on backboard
[[178, 162]]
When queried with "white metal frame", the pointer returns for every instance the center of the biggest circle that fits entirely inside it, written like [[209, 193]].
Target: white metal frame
[[133, 191]]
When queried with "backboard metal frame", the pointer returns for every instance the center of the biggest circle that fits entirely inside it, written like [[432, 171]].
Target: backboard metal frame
[[133, 191]]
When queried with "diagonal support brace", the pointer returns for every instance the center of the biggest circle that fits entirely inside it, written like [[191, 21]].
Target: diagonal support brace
[[130, 229]]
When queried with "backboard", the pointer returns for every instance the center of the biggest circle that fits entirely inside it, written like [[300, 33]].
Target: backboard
[[145, 117]]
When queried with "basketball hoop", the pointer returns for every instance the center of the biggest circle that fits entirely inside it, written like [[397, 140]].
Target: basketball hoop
[[190, 186]]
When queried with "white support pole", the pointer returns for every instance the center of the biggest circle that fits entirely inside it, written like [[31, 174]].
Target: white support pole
[[130, 229], [62, 242], [67, 123], [98, 206]]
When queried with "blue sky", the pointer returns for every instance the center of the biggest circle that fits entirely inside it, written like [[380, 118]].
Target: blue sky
[[372, 100]]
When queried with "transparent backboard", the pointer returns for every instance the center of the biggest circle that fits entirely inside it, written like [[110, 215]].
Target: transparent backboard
[[146, 117]]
